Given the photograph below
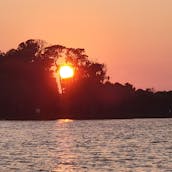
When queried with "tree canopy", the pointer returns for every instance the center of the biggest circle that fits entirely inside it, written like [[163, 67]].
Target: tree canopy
[[29, 87]]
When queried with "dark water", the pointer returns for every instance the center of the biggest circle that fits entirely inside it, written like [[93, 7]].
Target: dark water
[[95, 145]]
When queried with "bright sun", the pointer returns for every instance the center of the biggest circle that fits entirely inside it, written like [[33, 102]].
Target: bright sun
[[66, 71]]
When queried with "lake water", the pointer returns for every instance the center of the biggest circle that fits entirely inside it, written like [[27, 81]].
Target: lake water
[[91, 145]]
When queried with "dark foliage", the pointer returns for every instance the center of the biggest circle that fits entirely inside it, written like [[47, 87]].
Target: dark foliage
[[28, 89]]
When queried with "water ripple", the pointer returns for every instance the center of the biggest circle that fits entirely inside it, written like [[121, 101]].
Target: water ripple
[[98, 145]]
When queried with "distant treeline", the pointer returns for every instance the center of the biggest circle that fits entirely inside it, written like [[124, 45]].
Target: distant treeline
[[29, 88]]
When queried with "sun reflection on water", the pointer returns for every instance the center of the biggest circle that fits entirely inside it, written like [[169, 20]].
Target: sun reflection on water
[[67, 158], [65, 120]]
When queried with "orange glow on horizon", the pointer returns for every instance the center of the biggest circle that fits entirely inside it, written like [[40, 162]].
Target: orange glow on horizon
[[65, 120], [127, 36], [66, 71]]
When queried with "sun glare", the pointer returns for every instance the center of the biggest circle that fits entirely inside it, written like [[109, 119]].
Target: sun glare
[[66, 71]]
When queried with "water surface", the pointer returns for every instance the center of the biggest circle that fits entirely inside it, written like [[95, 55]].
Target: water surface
[[93, 145]]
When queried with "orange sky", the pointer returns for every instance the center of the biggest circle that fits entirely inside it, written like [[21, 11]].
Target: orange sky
[[132, 37]]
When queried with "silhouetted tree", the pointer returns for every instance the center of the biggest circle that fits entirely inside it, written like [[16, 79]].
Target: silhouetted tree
[[28, 87]]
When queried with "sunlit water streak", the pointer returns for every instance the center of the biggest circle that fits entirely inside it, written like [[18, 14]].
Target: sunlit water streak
[[95, 145]]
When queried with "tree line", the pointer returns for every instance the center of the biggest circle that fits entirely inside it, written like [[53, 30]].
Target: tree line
[[29, 87]]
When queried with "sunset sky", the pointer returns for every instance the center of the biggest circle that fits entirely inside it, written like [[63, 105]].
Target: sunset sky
[[132, 37]]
